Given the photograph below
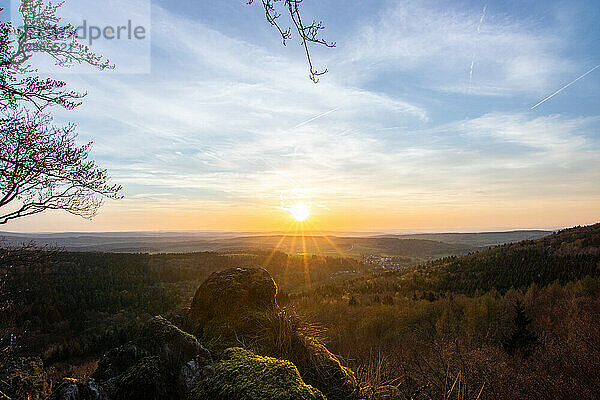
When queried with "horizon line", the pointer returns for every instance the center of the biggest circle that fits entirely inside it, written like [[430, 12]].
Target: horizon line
[[294, 233]]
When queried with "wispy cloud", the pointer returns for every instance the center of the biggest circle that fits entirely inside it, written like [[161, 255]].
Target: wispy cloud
[[434, 44], [232, 135]]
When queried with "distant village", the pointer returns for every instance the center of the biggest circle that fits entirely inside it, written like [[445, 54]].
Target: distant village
[[387, 263]]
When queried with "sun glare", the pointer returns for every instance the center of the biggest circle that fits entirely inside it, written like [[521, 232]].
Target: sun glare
[[300, 212]]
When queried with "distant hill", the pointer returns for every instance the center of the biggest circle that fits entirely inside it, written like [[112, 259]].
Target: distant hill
[[480, 239], [422, 246]]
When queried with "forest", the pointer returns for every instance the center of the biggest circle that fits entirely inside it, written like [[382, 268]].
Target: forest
[[514, 321]]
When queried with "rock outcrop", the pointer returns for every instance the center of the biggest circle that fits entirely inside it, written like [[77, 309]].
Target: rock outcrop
[[231, 303], [149, 367], [281, 360], [232, 292], [238, 305], [242, 374]]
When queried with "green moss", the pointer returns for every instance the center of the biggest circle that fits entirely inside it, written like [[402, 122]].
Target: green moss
[[244, 375], [322, 369], [143, 381]]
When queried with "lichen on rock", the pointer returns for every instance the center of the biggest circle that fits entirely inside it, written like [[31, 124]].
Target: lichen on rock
[[242, 374]]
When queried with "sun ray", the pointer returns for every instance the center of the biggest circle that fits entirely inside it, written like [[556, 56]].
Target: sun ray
[[290, 254], [270, 257], [333, 245], [316, 243], [307, 282]]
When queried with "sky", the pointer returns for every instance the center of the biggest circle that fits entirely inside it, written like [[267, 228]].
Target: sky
[[424, 121]]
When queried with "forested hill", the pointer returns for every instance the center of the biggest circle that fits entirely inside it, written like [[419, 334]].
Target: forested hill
[[327, 244], [564, 256]]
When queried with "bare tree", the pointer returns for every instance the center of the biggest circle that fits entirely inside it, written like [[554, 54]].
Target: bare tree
[[309, 34], [41, 166]]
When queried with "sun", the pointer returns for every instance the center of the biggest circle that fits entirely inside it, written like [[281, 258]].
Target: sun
[[300, 212]]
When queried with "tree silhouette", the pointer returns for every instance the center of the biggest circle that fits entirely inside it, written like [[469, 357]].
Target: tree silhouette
[[521, 340], [41, 33], [41, 167]]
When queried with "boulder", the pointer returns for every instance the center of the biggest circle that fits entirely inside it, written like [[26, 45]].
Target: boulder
[[117, 360], [151, 366], [231, 305], [233, 291], [69, 389], [163, 338], [242, 374]]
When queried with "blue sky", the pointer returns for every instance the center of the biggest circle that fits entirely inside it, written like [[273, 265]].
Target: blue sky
[[424, 121]]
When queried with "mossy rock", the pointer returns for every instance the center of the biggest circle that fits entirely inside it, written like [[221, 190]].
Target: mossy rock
[[283, 335], [238, 306], [230, 293], [242, 375], [162, 337], [143, 381], [322, 369]]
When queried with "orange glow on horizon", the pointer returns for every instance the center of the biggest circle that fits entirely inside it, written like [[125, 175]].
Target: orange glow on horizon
[[350, 217]]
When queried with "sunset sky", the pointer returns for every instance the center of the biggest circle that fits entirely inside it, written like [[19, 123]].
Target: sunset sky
[[423, 123]]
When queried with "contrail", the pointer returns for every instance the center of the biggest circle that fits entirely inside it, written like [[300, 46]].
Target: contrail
[[476, 45], [566, 86], [308, 121]]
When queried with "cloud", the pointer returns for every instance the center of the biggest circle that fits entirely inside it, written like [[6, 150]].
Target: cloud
[[224, 120], [436, 45]]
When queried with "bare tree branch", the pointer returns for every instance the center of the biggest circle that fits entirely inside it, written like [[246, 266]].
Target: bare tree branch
[[41, 168], [41, 33], [309, 34]]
